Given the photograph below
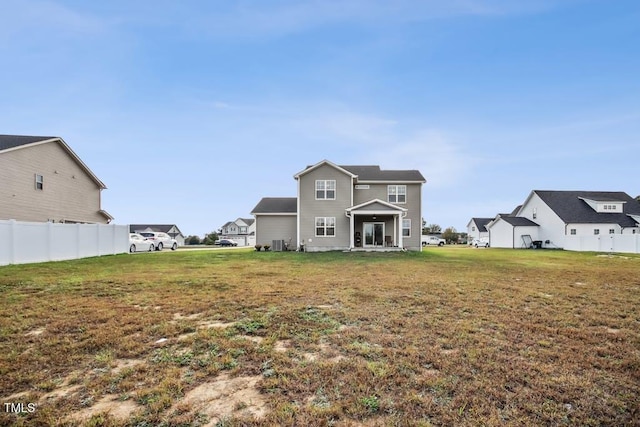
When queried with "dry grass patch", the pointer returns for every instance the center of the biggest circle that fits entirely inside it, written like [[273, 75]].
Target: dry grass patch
[[450, 336]]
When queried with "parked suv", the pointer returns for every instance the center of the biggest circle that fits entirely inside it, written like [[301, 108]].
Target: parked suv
[[160, 240]]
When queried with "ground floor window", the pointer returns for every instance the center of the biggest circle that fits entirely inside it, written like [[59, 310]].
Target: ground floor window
[[325, 226], [406, 228]]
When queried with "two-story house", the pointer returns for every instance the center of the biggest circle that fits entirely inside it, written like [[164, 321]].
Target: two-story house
[[242, 231], [43, 180], [346, 208]]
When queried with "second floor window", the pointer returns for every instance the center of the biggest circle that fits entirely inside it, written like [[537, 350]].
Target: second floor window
[[325, 189], [39, 182], [397, 193]]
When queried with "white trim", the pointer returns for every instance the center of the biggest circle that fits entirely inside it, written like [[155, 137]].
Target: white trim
[[364, 235], [397, 186], [39, 181], [274, 214], [325, 226], [326, 181], [382, 202], [402, 228], [321, 163]]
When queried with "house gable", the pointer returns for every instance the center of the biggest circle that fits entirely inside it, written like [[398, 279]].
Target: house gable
[[44, 180], [376, 206], [16, 142], [309, 169]]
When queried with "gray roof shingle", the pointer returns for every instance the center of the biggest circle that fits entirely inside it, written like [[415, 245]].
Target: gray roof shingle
[[374, 173], [569, 206], [518, 221], [12, 141], [481, 223], [276, 205]]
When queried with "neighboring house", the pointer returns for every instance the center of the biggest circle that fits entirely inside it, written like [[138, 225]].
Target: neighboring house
[[171, 229], [477, 229], [346, 208], [242, 231], [554, 217], [43, 180]]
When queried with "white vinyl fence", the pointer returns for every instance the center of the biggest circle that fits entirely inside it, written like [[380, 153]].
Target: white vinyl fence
[[626, 243], [27, 242]]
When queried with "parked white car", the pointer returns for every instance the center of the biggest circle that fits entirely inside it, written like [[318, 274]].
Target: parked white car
[[480, 243], [160, 240], [432, 240], [138, 243]]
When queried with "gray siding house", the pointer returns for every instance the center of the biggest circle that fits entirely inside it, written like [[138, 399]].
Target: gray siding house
[[346, 208], [43, 180]]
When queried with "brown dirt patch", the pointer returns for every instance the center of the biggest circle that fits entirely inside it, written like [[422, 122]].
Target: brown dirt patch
[[120, 410], [227, 396], [282, 346], [122, 364], [35, 332]]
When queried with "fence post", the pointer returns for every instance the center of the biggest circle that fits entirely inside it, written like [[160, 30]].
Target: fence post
[[49, 239], [12, 241], [98, 239]]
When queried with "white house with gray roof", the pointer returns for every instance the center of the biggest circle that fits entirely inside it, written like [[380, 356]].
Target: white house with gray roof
[[346, 208], [477, 229], [557, 219], [43, 180]]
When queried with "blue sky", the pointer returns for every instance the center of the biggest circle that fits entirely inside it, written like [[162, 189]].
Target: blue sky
[[192, 111]]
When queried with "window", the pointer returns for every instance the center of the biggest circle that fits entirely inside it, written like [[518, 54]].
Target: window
[[573, 231], [612, 231], [325, 226], [473, 229], [397, 193], [535, 213], [596, 231], [325, 189], [406, 228], [39, 182]]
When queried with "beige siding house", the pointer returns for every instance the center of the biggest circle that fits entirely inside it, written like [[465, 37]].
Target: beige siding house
[[347, 208], [42, 179]]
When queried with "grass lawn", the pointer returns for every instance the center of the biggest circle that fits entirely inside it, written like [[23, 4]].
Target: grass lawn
[[450, 336]]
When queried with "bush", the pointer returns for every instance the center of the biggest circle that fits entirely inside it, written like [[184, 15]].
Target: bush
[[258, 247], [266, 247]]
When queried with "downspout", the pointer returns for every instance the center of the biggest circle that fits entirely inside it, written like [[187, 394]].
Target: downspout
[[299, 244]]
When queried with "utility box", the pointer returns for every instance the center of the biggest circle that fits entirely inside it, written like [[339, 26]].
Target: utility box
[[277, 245]]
